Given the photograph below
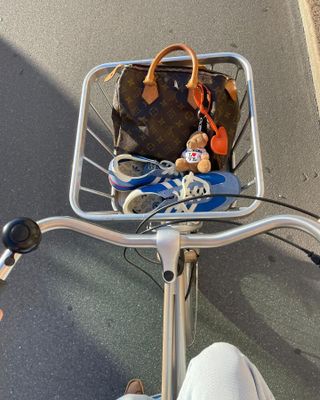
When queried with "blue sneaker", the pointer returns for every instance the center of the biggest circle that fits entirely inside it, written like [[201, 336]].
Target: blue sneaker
[[147, 198], [127, 172]]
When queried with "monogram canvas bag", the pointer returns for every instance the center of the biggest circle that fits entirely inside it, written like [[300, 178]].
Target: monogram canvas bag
[[154, 110]]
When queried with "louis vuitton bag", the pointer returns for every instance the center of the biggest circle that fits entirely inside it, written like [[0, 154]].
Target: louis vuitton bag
[[154, 111]]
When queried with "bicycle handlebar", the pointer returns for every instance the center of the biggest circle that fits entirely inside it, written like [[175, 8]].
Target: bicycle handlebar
[[153, 240]]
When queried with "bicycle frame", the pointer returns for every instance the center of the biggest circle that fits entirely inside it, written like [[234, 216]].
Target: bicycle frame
[[168, 242], [174, 362]]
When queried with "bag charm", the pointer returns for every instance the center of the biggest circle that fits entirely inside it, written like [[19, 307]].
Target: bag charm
[[195, 158], [219, 142]]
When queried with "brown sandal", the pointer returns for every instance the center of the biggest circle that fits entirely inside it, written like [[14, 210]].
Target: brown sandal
[[135, 386]]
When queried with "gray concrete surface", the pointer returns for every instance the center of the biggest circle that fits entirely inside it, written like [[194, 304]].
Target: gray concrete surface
[[79, 322]]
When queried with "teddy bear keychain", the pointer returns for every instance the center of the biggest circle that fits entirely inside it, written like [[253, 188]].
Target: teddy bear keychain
[[196, 158]]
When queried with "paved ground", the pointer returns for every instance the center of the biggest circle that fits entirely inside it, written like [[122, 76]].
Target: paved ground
[[79, 322]]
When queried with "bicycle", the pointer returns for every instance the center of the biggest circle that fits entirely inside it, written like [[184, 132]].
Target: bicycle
[[168, 242], [177, 239]]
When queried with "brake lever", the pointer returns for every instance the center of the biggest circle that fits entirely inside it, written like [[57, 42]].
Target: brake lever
[[315, 258], [8, 260]]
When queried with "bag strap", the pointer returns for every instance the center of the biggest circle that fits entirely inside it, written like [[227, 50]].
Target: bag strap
[[219, 142], [151, 93], [112, 73]]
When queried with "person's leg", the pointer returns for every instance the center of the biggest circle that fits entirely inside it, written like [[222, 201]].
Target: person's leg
[[135, 397], [222, 372]]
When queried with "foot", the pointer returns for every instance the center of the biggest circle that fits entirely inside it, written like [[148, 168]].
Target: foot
[[135, 386]]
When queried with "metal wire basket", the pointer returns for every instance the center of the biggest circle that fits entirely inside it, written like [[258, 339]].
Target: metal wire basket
[[91, 195]]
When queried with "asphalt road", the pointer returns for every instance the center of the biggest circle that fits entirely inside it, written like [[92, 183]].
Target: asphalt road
[[79, 322]]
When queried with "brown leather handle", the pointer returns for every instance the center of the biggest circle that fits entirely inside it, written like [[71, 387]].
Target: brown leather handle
[[193, 82], [150, 92]]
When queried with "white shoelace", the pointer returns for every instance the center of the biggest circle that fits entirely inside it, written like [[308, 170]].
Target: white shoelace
[[201, 187], [168, 167]]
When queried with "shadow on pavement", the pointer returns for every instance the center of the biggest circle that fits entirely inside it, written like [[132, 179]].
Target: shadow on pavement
[[43, 352], [273, 299], [37, 136]]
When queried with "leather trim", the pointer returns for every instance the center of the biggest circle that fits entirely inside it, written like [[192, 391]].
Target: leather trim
[[231, 88], [112, 73], [150, 78], [191, 99], [150, 93]]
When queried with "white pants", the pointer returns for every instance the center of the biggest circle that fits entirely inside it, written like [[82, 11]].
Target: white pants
[[220, 372]]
